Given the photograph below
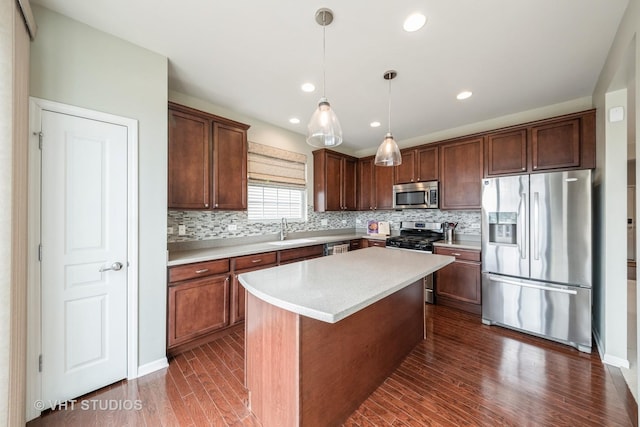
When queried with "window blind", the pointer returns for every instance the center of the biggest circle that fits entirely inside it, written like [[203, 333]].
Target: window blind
[[271, 165]]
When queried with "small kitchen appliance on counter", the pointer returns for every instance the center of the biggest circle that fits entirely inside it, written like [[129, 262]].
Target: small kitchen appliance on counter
[[418, 236]]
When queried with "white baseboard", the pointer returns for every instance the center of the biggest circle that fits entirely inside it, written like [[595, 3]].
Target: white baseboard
[[607, 358], [150, 367], [615, 361]]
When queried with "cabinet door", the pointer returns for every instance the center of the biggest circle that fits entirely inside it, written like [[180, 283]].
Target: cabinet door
[[506, 153], [365, 184], [427, 164], [461, 174], [333, 190], [197, 307], [406, 172], [460, 281], [383, 187], [230, 167], [189, 161], [349, 200], [555, 145]]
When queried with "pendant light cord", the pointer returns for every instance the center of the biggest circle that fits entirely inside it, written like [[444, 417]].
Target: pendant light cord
[[389, 105], [324, 52]]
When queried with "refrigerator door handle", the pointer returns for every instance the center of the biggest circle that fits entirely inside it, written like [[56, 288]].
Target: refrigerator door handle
[[522, 240], [532, 285], [536, 225]]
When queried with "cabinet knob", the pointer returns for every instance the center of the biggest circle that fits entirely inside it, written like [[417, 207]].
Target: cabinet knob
[[524, 169], [216, 205], [206, 205]]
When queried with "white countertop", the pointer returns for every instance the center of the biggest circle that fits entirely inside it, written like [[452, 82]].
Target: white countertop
[[219, 252], [334, 287]]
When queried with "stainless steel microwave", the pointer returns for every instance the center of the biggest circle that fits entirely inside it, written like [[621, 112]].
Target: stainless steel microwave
[[417, 195]]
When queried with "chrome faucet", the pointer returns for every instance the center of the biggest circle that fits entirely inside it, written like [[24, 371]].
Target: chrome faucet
[[283, 228]]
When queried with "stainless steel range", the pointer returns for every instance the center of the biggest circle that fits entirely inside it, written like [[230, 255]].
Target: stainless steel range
[[418, 236]]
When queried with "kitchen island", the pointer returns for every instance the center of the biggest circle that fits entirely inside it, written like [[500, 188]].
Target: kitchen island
[[322, 334]]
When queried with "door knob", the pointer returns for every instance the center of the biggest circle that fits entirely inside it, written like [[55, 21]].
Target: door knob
[[116, 266]]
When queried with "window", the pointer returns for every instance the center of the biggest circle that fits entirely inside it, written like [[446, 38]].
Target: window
[[273, 202], [277, 183]]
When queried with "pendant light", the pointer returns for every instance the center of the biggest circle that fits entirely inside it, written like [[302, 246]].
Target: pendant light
[[388, 153], [324, 128]]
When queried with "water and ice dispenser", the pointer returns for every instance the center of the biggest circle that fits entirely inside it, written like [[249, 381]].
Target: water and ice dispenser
[[503, 227]]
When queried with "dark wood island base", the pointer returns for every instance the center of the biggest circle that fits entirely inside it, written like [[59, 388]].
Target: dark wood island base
[[306, 372]]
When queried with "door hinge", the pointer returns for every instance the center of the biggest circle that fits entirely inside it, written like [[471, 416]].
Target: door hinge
[[40, 252], [40, 363]]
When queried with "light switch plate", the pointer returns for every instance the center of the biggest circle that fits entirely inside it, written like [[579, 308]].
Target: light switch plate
[[182, 230], [324, 222], [232, 227]]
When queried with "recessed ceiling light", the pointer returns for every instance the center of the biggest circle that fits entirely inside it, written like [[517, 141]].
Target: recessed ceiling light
[[308, 87], [414, 22], [374, 124], [464, 95], [294, 120]]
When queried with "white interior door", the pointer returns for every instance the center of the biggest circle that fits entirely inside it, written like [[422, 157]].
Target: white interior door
[[84, 255]]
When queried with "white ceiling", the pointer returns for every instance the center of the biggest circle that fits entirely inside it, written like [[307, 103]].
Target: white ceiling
[[251, 56]]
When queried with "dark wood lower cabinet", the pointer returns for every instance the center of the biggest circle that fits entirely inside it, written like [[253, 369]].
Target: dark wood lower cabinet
[[197, 307], [458, 285]]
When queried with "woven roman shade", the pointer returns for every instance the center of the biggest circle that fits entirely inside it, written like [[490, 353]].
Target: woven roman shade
[[270, 165]]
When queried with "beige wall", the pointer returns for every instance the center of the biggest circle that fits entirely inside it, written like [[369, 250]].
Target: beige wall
[[75, 64]]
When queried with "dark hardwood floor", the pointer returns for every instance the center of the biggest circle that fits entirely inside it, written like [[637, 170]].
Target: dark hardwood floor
[[465, 373]]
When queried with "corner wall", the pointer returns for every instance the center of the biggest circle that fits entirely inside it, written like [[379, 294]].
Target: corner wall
[[610, 321], [75, 64]]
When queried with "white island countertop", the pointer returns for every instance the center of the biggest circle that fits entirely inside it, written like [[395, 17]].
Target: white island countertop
[[334, 287]]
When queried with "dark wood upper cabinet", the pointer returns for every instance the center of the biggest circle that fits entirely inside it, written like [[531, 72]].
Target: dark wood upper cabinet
[[229, 167], [560, 143], [375, 185], [334, 177], [418, 165], [207, 161], [189, 144], [461, 169], [383, 176], [555, 145], [506, 152], [366, 184]]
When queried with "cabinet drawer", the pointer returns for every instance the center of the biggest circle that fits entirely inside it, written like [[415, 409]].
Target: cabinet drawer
[[380, 243], [199, 269], [465, 254], [306, 252], [257, 260]]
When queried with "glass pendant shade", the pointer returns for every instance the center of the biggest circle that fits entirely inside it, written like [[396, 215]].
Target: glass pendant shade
[[324, 129], [388, 153]]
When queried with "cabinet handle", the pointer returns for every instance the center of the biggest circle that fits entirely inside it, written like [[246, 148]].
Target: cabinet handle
[[455, 254], [256, 260], [204, 270]]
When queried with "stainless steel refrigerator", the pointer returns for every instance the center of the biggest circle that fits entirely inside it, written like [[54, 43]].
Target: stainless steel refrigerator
[[537, 255]]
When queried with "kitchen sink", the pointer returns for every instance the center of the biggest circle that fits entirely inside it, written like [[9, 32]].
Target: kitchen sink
[[291, 242]]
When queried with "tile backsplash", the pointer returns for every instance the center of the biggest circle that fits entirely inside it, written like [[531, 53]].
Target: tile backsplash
[[207, 225]]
